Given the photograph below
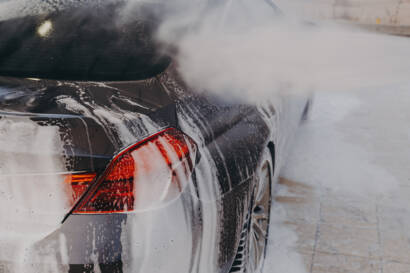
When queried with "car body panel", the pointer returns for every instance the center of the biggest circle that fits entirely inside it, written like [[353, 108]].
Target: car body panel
[[80, 126], [228, 149]]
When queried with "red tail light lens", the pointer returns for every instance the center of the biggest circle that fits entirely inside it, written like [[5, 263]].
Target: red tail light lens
[[78, 183], [143, 176]]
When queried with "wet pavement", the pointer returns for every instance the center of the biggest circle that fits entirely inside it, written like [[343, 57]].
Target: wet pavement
[[345, 191], [346, 233]]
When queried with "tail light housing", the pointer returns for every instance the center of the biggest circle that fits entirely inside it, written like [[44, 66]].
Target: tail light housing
[[146, 175], [78, 185]]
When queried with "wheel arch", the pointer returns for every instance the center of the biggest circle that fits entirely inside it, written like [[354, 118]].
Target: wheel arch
[[272, 150]]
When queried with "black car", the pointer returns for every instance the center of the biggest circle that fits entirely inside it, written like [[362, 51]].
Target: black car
[[111, 163]]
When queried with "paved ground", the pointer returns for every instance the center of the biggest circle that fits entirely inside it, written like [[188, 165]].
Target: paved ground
[[346, 194], [346, 233]]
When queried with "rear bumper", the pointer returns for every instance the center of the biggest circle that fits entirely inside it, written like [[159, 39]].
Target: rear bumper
[[72, 268], [160, 240]]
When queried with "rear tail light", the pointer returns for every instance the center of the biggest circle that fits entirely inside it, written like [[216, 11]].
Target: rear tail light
[[144, 176], [78, 185]]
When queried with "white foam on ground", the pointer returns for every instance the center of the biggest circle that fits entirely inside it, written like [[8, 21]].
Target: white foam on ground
[[281, 255], [334, 149], [356, 144]]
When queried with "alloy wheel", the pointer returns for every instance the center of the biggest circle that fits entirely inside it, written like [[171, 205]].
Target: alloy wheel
[[259, 221]]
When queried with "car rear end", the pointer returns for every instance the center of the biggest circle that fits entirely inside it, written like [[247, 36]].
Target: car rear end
[[66, 208], [95, 175]]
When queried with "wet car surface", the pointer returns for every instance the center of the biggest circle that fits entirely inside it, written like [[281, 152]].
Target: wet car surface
[[113, 164]]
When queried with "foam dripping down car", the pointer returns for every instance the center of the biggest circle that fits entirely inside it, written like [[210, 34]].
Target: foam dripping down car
[[110, 162]]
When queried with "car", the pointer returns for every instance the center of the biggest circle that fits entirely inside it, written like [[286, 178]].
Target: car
[[111, 162]]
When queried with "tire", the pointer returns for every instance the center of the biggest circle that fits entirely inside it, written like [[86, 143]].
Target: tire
[[252, 247]]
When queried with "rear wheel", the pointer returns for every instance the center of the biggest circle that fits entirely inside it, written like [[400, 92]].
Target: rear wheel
[[252, 246]]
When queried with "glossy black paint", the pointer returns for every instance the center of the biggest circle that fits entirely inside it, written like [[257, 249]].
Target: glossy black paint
[[235, 134], [74, 51], [40, 99]]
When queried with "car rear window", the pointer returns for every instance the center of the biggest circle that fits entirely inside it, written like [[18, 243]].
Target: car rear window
[[81, 43]]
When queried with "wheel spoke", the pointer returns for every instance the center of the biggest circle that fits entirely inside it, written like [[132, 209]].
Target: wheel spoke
[[257, 223], [259, 220]]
